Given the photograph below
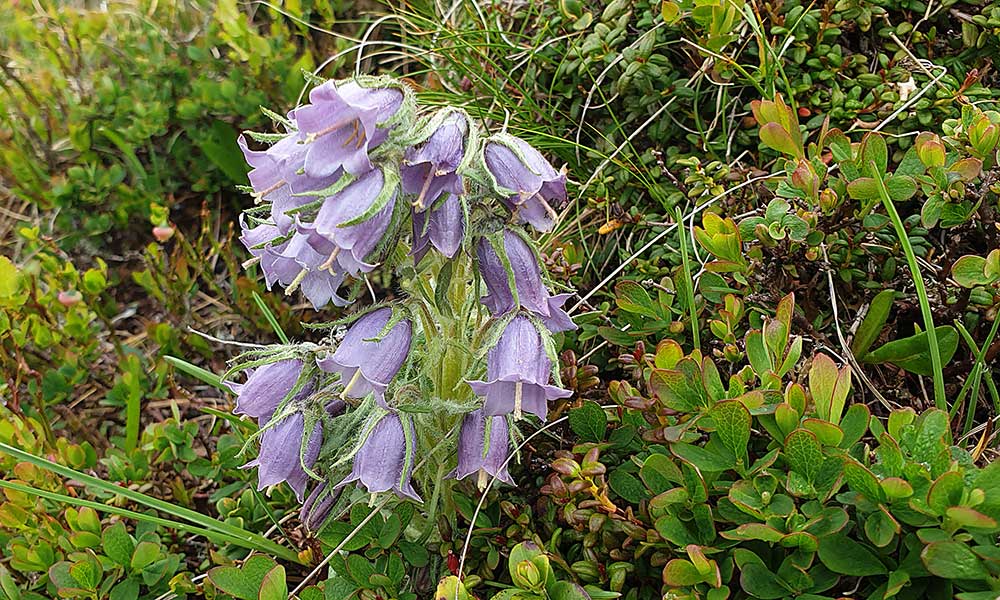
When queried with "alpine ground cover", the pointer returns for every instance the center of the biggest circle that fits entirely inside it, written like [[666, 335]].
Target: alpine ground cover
[[765, 315]]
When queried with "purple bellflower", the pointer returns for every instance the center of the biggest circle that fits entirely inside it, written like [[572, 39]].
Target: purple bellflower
[[277, 177], [279, 459], [341, 124], [534, 188], [293, 263], [518, 372], [441, 226], [483, 448], [351, 223], [385, 460], [367, 365], [265, 388], [432, 167], [282, 456], [531, 291]]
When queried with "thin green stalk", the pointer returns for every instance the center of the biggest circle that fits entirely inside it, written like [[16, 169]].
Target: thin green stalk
[[261, 543], [688, 280], [918, 283], [976, 375], [270, 318], [197, 372]]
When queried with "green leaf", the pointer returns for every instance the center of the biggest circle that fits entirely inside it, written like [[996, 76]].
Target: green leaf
[[843, 555], [946, 492], [627, 486], [827, 433], [702, 458], [912, 353], [451, 588], [233, 582], [900, 187], [732, 423], [125, 590], [219, 145], [854, 424], [874, 321], [273, 587], [631, 297], [863, 188], [9, 278], [775, 137], [680, 573], [145, 553], [863, 481], [589, 422], [659, 473], [970, 271], [804, 453], [758, 581], [972, 519], [953, 560], [680, 388], [118, 545], [880, 528]]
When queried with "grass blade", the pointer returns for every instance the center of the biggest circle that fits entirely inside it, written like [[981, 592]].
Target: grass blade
[[214, 536], [261, 543], [270, 318], [197, 372]]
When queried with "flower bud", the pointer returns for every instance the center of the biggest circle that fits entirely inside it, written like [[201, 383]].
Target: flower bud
[[69, 298], [930, 149], [163, 233]]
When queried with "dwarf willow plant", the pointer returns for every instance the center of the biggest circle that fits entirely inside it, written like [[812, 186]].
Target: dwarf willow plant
[[361, 180]]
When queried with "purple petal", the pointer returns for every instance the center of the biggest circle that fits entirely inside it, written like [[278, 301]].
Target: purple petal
[[377, 361]]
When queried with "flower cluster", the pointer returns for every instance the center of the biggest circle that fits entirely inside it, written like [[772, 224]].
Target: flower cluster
[[360, 178]]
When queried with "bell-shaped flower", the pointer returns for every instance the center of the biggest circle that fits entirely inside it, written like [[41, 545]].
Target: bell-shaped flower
[[517, 374], [483, 448], [532, 187], [442, 226], [351, 223], [531, 291], [277, 177], [431, 168], [294, 263], [282, 455], [266, 387], [341, 125], [285, 453], [367, 363], [385, 460]]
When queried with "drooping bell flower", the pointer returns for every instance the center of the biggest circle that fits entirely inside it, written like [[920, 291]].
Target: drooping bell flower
[[351, 223], [483, 448], [534, 189], [317, 506], [280, 449], [284, 451], [341, 125], [518, 372], [385, 460], [277, 177], [367, 363], [296, 265], [531, 291], [442, 226], [430, 168], [266, 387]]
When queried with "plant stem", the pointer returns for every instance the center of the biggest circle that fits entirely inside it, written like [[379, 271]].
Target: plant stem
[[918, 283]]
